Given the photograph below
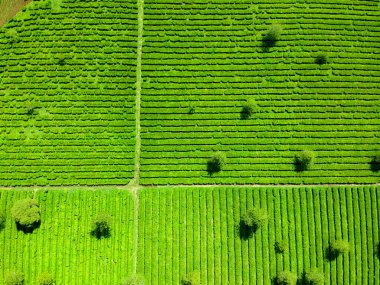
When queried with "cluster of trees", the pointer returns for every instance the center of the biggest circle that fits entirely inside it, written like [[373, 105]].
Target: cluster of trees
[[17, 278]]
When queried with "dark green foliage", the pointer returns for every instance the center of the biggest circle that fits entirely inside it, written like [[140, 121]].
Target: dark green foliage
[[338, 247], [216, 162], [191, 279], [286, 278], [101, 225], [314, 277], [304, 160], [45, 279], [31, 110], [2, 221], [251, 221], [26, 214], [14, 278], [272, 36], [375, 163], [133, 280], [280, 246], [248, 109], [191, 110], [321, 59]]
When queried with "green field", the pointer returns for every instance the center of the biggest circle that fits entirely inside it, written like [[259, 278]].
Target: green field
[[183, 230], [67, 75], [209, 55], [62, 245]]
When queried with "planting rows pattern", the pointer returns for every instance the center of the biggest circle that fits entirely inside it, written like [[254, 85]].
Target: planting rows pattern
[[62, 245], [197, 230], [208, 55], [67, 75]]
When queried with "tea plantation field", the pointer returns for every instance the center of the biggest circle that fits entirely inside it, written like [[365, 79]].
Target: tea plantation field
[[63, 245], [203, 59], [184, 230], [67, 75]]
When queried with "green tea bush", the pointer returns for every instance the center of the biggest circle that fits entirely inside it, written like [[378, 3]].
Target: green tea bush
[[321, 59], [272, 36], [255, 218], [216, 162], [14, 278], [338, 247], [45, 279], [133, 280], [286, 278], [314, 277], [26, 213], [280, 246], [304, 160], [101, 225], [191, 279], [375, 163], [248, 108]]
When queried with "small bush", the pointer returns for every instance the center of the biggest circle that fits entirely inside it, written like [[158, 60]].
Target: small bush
[[14, 278], [286, 278], [304, 160], [191, 110], [216, 162], [337, 248], [101, 225], [314, 277], [26, 213], [133, 280], [45, 279], [248, 109], [321, 59], [191, 279], [280, 246], [272, 36], [375, 163], [255, 218]]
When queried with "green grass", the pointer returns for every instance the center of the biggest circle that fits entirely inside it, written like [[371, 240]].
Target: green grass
[[73, 62], [182, 230], [209, 55], [63, 245]]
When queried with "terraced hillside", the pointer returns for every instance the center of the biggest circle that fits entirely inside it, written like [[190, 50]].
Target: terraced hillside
[[67, 75], [185, 230], [63, 245], [203, 59]]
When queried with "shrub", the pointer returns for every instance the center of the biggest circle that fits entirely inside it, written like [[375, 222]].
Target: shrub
[[133, 280], [375, 163], [26, 213], [286, 278], [45, 279], [191, 279], [304, 160], [272, 36], [101, 225], [338, 247], [14, 278], [191, 110], [280, 246], [216, 162], [314, 277], [248, 108], [255, 218], [321, 59]]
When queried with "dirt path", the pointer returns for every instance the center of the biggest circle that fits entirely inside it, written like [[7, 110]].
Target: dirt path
[[9, 8]]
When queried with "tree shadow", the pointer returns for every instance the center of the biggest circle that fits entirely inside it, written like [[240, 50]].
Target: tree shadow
[[378, 251], [246, 232], [2, 226], [375, 164], [28, 230], [302, 280], [244, 114], [212, 168], [106, 233], [331, 254], [298, 166]]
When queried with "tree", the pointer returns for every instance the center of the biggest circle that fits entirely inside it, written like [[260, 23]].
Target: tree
[[248, 109], [26, 213], [304, 160], [45, 279], [338, 247], [280, 246], [101, 225], [255, 218], [14, 278], [314, 277], [191, 279], [272, 36], [286, 278], [134, 280], [216, 162]]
